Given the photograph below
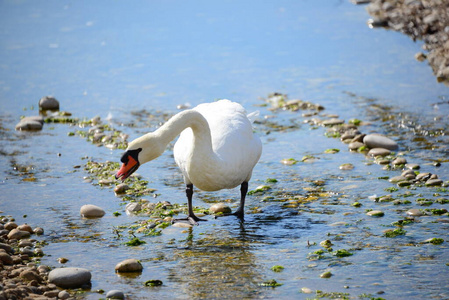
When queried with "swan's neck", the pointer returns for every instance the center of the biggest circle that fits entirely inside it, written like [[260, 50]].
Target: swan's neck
[[189, 118]]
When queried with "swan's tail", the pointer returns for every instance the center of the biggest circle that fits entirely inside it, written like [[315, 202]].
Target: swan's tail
[[253, 116]]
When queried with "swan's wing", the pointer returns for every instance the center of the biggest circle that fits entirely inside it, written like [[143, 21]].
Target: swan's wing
[[253, 116]]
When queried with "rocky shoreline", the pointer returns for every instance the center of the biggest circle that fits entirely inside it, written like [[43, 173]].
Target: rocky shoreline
[[426, 20], [21, 275]]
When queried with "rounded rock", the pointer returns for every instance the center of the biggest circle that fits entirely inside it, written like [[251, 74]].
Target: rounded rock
[[375, 213], [346, 166], [30, 275], [220, 208], [376, 140], [379, 152], [17, 234], [10, 226], [26, 227], [414, 212], [332, 122], [121, 188], [38, 230], [182, 225], [397, 179], [48, 103], [354, 146], [434, 182], [399, 161], [69, 277], [6, 259], [133, 207], [91, 211], [63, 295], [115, 294], [129, 265], [412, 166], [28, 124]]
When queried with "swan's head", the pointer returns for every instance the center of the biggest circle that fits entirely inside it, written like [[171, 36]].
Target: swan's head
[[139, 151]]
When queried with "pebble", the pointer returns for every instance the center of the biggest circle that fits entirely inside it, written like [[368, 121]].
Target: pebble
[[399, 161], [375, 213], [332, 122], [434, 182], [306, 290], [10, 226], [91, 211], [6, 259], [423, 176], [354, 146], [220, 208], [379, 152], [121, 188], [326, 275], [115, 294], [412, 166], [30, 123], [376, 140], [129, 265], [63, 295], [69, 277], [25, 227], [48, 103], [17, 234], [30, 275], [346, 166], [182, 225], [38, 230], [397, 179], [133, 207], [414, 212]]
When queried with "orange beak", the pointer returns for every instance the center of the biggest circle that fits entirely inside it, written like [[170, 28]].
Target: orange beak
[[127, 168]]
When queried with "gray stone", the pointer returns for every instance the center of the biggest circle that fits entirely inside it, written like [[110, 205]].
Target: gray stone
[[29, 123], [220, 208], [133, 207], [91, 211], [332, 122], [423, 176], [48, 103], [129, 265], [379, 152], [375, 140], [115, 294], [397, 179], [6, 247], [434, 182], [412, 166], [354, 146], [63, 295], [121, 188], [375, 213], [414, 212], [69, 277], [17, 234], [399, 161]]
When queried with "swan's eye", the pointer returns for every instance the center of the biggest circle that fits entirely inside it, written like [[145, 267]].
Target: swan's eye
[[133, 153]]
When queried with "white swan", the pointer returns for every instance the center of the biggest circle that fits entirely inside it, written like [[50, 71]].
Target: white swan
[[216, 150]]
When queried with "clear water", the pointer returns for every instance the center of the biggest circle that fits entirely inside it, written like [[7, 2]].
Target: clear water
[[113, 58]]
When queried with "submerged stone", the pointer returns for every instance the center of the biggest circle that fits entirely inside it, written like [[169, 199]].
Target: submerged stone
[[375, 213]]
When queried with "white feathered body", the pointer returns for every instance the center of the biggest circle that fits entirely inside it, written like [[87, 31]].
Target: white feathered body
[[234, 153]]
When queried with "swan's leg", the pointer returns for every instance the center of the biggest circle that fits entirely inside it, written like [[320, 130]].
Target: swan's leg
[[240, 212], [191, 217]]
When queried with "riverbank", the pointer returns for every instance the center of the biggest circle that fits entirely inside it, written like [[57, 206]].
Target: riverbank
[[421, 20], [22, 275]]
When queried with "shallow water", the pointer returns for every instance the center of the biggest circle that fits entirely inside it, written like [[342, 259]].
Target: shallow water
[[118, 59]]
